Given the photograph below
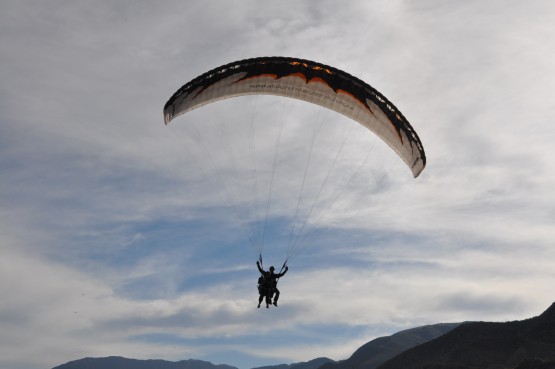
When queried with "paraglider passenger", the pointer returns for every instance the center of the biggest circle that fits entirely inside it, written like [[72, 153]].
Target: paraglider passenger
[[267, 285]]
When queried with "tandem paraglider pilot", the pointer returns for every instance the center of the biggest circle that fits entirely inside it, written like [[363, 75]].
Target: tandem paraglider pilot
[[267, 285]]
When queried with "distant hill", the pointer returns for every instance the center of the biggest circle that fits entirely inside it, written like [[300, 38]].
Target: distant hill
[[116, 362], [312, 364], [521, 344], [368, 356], [378, 351], [525, 344]]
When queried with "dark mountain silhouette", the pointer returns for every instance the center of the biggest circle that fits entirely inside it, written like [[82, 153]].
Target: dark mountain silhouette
[[116, 362], [378, 351], [521, 344], [536, 364]]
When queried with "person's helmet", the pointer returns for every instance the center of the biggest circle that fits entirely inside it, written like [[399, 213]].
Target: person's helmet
[[272, 269]]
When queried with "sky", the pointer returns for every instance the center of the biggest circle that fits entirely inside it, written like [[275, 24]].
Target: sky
[[122, 236]]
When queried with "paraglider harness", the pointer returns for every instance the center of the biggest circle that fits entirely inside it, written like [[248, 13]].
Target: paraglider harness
[[265, 282]]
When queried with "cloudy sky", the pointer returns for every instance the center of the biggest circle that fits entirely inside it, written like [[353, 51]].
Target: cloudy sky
[[121, 236]]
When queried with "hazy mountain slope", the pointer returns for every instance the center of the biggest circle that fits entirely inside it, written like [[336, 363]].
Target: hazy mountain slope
[[312, 364], [483, 345], [378, 351], [116, 362]]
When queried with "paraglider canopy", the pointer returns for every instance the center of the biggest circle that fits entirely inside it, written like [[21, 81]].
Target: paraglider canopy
[[309, 81]]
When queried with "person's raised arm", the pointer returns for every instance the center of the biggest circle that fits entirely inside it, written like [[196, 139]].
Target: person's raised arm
[[282, 274], [259, 268]]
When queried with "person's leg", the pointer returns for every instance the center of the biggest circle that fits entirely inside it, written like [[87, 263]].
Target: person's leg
[[276, 296], [269, 294]]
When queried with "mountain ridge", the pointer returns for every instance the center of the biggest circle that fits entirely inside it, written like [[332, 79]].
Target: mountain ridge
[[520, 344], [380, 348], [486, 345], [118, 362]]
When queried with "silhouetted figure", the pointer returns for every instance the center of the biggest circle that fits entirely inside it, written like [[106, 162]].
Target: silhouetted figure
[[267, 285]]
